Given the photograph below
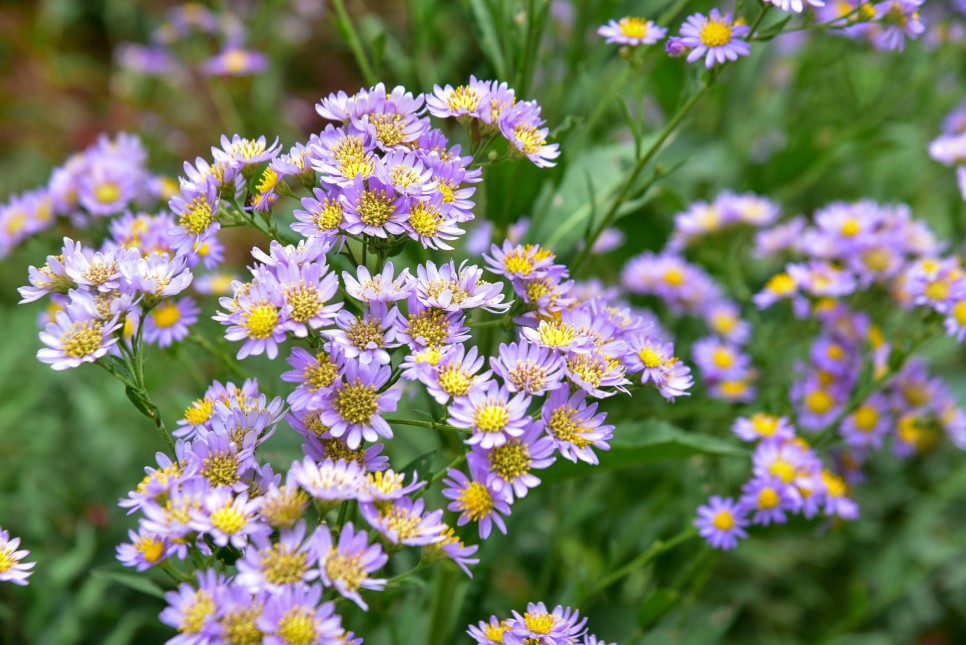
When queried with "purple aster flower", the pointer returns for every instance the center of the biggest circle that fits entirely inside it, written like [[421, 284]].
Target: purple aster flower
[[50, 278], [239, 152], [788, 461], [721, 522], [658, 365], [869, 423], [763, 426], [454, 374], [313, 373], [386, 486], [474, 501], [463, 102], [12, 567], [452, 178], [368, 458], [294, 616], [272, 566], [488, 633], [836, 497], [392, 119], [592, 371], [159, 481], [228, 518], [322, 215], [558, 335], [715, 37], [238, 614], [510, 465], [192, 611], [895, 20], [402, 521], [632, 31], [406, 173], [169, 322], [431, 222], [675, 47], [522, 126], [955, 322], [770, 499], [719, 360], [235, 61], [108, 187], [491, 414], [781, 286], [366, 339], [430, 327], [453, 548], [221, 460], [453, 289], [527, 367], [144, 551], [347, 565], [381, 287], [305, 290], [79, 335], [373, 208], [342, 156], [818, 403], [353, 408], [724, 319], [574, 425], [255, 316], [330, 481], [562, 625], [173, 520], [196, 212]]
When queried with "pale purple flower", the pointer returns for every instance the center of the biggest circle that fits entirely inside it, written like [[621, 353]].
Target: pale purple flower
[[722, 523], [366, 339], [510, 465], [12, 567], [491, 414], [575, 426], [169, 322], [271, 566], [79, 334], [347, 564], [192, 611], [632, 31], [403, 521], [381, 287], [715, 37], [474, 501], [229, 518], [527, 367], [329, 481], [296, 611], [769, 498]]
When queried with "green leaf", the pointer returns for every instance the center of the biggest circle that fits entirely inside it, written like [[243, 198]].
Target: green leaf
[[647, 442], [656, 607], [138, 582], [489, 40]]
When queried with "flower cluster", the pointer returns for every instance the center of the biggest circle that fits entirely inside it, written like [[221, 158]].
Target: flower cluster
[[949, 148], [106, 179], [99, 298], [538, 624], [12, 567], [188, 22]]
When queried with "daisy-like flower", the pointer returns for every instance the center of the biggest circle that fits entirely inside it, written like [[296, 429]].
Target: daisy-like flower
[[518, 261], [144, 550], [403, 521], [172, 519], [79, 334], [305, 290], [523, 127], [539, 624], [222, 460], [381, 287], [527, 367], [272, 566], [353, 409], [658, 365], [373, 208], [724, 319], [719, 360], [406, 173], [365, 339], [228, 518], [474, 501], [632, 31], [347, 565], [488, 633], [196, 212], [431, 223], [239, 152], [386, 486], [235, 61], [255, 316], [462, 102], [454, 374], [453, 548], [869, 423], [574, 425], [312, 373], [491, 414], [762, 426], [837, 501], [295, 617], [322, 215], [511, 464], [895, 20], [331, 480], [429, 327], [238, 614], [12, 567], [192, 611], [283, 506], [781, 286], [722, 523], [50, 278], [169, 322], [715, 37], [558, 335], [770, 499]]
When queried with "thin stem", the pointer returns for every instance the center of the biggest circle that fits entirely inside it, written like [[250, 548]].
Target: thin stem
[[432, 425], [345, 23]]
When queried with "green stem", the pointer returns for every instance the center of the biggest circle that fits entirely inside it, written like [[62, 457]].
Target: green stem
[[345, 24], [432, 425]]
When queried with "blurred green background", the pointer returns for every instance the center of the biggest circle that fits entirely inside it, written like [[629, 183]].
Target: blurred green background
[[804, 121]]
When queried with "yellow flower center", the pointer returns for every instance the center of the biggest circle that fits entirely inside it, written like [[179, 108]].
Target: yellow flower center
[[431, 324], [959, 312], [229, 520], [375, 208], [556, 333], [674, 277], [453, 381], [529, 138], [866, 418], [220, 468], [298, 627], [724, 323], [151, 547], [540, 622], [82, 338], [511, 460], [781, 284], [329, 215], [357, 403], [476, 501], [768, 498], [389, 129], [634, 27], [321, 375], [723, 357], [876, 258], [199, 412], [107, 192], [850, 227], [715, 33], [235, 61], [764, 424], [166, 315], [241, 628], [425, 219], [518, 263], [463, 97], [835, 486], [194, 617], [649, 357], [937, 290], [494, 633], [819, 401], [346, 568], [491, 418], [723, 520], [197, 216], [782, 470], [835, 352], [260, 321], [283, 567]]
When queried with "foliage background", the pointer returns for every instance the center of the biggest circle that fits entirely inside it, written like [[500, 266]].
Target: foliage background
[[804, 123]]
